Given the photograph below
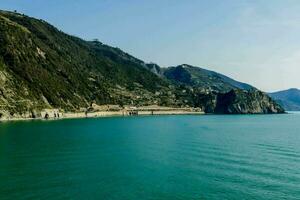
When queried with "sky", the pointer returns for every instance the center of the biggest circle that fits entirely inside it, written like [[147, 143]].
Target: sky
[[254, 41]]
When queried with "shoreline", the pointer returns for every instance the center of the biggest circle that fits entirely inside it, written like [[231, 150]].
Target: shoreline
[[102, 114]]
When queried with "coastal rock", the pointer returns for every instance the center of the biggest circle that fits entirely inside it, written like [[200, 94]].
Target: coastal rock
[[237, 101], [246, 102]]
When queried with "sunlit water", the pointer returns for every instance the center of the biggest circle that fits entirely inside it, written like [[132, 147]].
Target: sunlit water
[[159, 157]]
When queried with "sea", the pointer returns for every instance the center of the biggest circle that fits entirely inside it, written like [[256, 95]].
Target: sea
[[176, 157]]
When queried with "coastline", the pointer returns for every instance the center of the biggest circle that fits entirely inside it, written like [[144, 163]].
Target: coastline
[[125, 112]]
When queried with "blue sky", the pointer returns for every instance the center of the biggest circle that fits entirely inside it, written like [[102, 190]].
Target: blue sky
[[255, 41]]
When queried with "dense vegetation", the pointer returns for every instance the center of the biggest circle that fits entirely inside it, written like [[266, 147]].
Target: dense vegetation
[[198, 77], [42, 67]]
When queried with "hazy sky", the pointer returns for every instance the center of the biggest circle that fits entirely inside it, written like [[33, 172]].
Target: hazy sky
[[253, 41]]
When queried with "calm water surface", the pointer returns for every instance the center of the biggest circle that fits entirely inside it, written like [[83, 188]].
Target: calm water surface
[[162, 157]]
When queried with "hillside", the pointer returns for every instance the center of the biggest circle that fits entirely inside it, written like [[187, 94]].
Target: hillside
[[289, 99], [198, 77], [42, 67], [49, 68]]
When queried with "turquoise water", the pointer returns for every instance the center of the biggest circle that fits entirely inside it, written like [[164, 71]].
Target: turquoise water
[[158, 157]]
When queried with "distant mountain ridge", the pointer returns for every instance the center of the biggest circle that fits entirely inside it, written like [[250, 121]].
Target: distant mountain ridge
[[199, 77], [289, 99], [42, 67]]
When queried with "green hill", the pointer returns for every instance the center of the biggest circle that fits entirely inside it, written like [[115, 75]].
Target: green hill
[[42, 67], [41, 64], [198, 77]]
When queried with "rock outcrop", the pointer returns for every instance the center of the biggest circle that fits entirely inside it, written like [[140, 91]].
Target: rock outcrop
[[246, 102]]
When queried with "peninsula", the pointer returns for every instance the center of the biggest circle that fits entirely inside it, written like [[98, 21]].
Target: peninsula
[[43, 70]]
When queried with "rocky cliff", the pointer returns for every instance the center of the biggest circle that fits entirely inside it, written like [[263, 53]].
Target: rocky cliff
[[246, 102], [237, 101]]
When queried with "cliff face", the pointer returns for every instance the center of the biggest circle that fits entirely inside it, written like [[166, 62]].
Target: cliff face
[[246, 102], [42, 67], [238, 101]]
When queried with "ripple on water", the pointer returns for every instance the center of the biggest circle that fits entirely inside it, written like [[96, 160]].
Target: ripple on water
[[174, 157]]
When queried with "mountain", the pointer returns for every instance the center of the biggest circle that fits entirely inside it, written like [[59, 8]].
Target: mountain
[[198, 77], [289, 99], [42, 67], [48, 68]]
